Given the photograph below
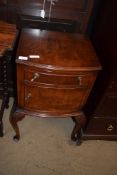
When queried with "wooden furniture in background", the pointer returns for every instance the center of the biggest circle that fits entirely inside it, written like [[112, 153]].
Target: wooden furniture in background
[[57, 83], [102, 104], [67, 15], [7, 37]]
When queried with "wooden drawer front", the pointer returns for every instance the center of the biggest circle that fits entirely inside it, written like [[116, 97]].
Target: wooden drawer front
[[59, 80], [102, 126], [53, 99]]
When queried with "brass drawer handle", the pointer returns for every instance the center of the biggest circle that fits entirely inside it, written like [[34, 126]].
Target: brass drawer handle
[[28, 97], [80, 80], [110, 128], [35, 76]]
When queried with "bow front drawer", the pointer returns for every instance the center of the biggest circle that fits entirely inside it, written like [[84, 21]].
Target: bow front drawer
[[63, 100], [81, 79]]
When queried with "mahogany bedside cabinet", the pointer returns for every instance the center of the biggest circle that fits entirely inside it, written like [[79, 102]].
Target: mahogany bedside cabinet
[[55, 74]]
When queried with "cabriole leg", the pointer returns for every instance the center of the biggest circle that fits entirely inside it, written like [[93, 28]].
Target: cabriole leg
[[15, 117], [80, 122]]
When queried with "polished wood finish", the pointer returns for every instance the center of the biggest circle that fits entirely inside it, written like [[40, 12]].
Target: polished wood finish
[[58, 83], [102, 104], [66, 16]]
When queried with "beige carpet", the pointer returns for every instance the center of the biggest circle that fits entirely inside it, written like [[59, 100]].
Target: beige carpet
[[45, 149]]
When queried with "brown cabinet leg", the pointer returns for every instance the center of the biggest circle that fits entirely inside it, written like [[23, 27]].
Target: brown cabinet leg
[[80, 122], [15, 117]]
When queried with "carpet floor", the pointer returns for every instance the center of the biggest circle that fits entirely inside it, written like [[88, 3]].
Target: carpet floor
[[45, 148]]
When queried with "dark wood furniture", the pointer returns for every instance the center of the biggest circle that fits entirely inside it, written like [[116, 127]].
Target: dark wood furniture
[[57, 83], [66, 16], [63, 15], [7, 38], [102, 104]]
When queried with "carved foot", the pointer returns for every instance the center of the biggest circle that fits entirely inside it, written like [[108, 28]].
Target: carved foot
[[14, 118], [16, 138], [76, 137], [80, 122]]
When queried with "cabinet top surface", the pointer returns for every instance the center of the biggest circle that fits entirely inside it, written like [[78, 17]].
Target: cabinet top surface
[[60, 51]]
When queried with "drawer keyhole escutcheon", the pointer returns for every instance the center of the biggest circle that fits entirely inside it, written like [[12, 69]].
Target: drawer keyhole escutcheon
[[110, 128], [80, 80], [28, 97], [35, 76]]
